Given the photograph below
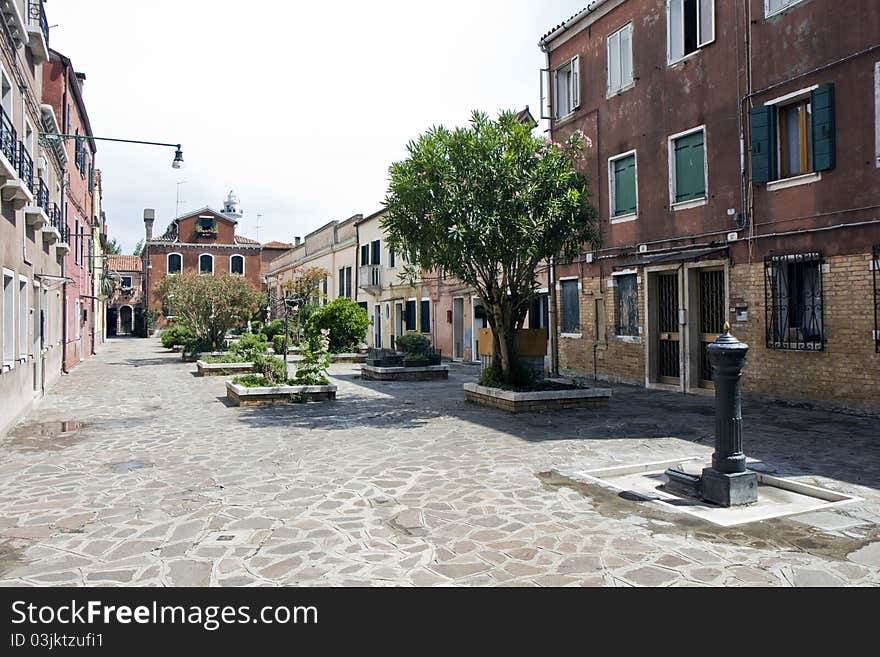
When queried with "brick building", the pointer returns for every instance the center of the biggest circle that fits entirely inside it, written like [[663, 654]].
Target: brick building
[[203, 241], [126, 305], [736, 170]]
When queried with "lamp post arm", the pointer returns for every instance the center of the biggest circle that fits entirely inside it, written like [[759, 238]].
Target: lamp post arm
[[125, 141]]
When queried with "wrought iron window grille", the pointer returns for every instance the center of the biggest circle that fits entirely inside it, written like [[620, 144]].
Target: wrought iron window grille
[[794, 302], [876, 271]]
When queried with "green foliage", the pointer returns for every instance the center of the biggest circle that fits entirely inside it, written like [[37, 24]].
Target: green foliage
[[312, 369], [209, 306], [521, 378], [138, 248], [152, 318], [272, 368], [175, 336], [112, 247], [412, 343], [249, 347], [256, 327], [487, 204], [250, 381], [273, 328], [420, 357], [195, 346], [346, 321]]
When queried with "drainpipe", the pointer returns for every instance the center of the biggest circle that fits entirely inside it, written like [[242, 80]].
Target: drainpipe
[[554, 323]]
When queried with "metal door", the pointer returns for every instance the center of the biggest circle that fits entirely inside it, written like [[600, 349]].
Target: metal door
[[668, 330], [711, 302], [457, 329]]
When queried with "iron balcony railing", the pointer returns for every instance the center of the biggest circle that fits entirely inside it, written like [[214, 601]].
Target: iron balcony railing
[[25, 167], [37, 14], [57, 218], [8, 137], [42, 196]]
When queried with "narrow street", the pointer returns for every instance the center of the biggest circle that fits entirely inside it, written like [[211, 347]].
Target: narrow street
[[398, 484]]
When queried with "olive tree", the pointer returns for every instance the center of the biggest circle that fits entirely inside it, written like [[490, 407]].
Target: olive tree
[[487, 204]]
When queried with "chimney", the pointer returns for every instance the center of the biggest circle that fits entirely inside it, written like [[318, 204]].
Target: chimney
[[81, 78], [149, 218], [297, 240]]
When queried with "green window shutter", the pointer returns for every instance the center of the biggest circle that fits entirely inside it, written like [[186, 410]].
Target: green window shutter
[[625, 186], [690, 172], [824, 134], [571, 310], [426, 316], [410, 315], [763, 144]]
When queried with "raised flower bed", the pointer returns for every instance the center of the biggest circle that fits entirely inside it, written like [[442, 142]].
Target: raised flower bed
[[562, 396], [224, 369], [241, 395], [349, 358]]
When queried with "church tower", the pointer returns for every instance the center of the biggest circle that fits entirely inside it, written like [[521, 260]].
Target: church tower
[[232, 206]]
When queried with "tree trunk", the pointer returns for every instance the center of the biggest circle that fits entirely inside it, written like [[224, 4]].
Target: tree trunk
[[503, 322]]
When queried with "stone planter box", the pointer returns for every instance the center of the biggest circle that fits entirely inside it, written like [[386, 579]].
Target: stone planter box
[[243, 396], [526, 402], [349, 358], [429, 373], [224, 369]]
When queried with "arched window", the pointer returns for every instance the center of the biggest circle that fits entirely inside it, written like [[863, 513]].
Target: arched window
[[236, 265], [175, 263], [206, 263]]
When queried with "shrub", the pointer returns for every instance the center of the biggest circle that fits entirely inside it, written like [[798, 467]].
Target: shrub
[[522, 378], [413, 343], [195, 346], [175, 336], [312, 370], [249, 347], [273, 369], [273, 328], [250, 381], [346, 321], [278, 344]]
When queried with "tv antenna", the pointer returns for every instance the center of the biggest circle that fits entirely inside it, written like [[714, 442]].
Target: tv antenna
[[178, 202]]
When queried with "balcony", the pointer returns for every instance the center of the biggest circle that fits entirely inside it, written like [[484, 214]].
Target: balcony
[[15, 23], [8, 148], [370, 279], [38, 31], [20, 192], [37, 213]]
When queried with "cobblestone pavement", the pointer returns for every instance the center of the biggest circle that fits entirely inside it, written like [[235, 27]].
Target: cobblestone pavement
[[399, 484]]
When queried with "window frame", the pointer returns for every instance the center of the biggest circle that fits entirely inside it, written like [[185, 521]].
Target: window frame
[[425, 316], [624, 86], [574, 88], [768, 13], [243, 261], [9, 326], [670, 145], [411, 324], [672, 61], [772, 310], [617, 305], [168, 264], [570, 331], [203, 273], [122, 284], [811, 176], [612, 188]]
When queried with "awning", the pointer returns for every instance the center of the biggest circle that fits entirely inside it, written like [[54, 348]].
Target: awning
[[673, 256], [54, 279]]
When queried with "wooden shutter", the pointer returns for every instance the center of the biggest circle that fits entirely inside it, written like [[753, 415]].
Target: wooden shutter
[[546, 97], [411, 315], [571, 312], [575, 81], [690, 171], [426, 316], [824, 134], [365, 254], [376, 257], [625, 186], [341, 283], [613, 46], [763, 144]]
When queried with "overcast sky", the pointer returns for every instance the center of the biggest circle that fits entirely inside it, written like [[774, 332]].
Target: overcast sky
[[300, 107]]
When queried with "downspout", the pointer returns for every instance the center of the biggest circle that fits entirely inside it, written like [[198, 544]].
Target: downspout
[[64, 305], [554, 320]]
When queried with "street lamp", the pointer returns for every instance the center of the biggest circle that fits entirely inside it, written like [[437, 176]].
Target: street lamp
[[178, 154]]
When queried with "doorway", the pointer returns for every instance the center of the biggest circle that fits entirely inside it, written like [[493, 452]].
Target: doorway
[[707, 296], [458, 328], [126, 320], [377, 326], [398, 323], [664, 326], [480, 321]]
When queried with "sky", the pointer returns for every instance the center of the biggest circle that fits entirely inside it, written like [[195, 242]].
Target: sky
[[298, 107]]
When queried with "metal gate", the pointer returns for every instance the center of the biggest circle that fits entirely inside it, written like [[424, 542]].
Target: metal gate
[[711, 318], [669, 337]]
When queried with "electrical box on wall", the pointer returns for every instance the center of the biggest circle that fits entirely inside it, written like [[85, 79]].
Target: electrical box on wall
[[589, 259], [643, 248]]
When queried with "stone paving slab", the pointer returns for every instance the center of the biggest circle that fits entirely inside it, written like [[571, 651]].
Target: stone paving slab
[[402, 485]]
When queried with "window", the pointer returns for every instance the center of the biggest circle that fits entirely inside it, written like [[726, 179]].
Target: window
[[365, 254], [125, 282], [8, 317], [690, 26], [411, 315], [206, 225], [76, 242], [376, 255], [5, 94], [567, 85], [236, 265], [392, 256], [622, 185], [539, 312], [175, 263], [626, 305], [23, 317], [425, 324], [775, 6], [77, 318], [794, 135], [206, 263], [620, 60], [345, 282], [687, 161], [571, 309], [794, 302]]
